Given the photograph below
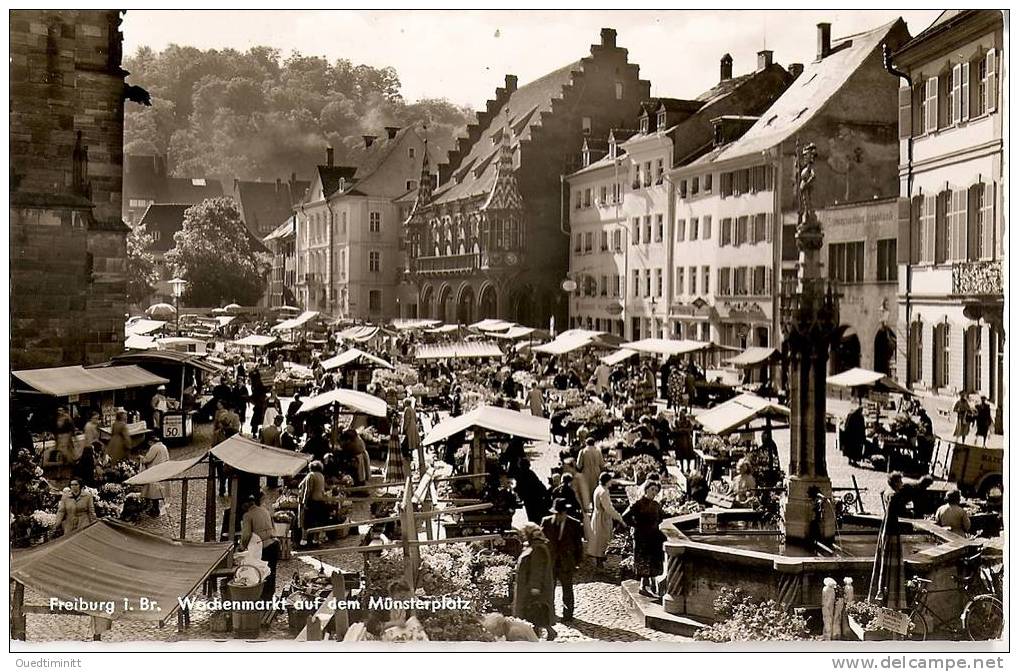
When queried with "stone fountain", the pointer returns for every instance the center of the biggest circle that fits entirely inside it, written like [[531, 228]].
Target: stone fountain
[[789, 561]]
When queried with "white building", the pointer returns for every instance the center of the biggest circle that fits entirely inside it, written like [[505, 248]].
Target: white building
[[951, 290]]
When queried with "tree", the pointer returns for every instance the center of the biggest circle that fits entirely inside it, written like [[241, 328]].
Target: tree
[[221, 260], [141, 266]]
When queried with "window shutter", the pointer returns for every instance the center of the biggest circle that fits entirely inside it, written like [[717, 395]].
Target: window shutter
[[752, 230], [706, 228], [931, 120], [905, 112], [930, 207], [769, 222], [973, 233], [992, 80], [957, 92], [918, 101], [768, 279], [990, 226], [964, 92], [681, 229]]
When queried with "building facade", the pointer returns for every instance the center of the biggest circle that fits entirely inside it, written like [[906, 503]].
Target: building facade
[[349, 227], [490, 241], [859, 253], [67, 239], [744, 187], [951, 227], [636, 262], [146, 182]]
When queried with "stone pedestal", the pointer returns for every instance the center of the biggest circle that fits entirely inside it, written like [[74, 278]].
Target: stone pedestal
[[799, 509]]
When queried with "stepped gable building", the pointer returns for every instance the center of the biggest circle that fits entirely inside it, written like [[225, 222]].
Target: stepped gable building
[[146, 182], [635, 261], [67, 239], [951, 209], [489, 241]]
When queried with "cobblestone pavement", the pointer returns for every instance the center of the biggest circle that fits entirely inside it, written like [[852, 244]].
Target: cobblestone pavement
[[601, 614]]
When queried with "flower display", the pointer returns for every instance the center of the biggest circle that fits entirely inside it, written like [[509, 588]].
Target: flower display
[[741, 618], [637, 468]]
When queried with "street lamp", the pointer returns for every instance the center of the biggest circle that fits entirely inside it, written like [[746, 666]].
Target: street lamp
[[177, 286]]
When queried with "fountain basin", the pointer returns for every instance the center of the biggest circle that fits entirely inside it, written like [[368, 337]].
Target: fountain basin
[[747, 553]]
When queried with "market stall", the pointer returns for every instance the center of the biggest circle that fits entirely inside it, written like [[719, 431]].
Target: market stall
[[458, 350], [757, 364], [107, 559], [411, 324], [576, 339], [356, 367], [301, 323], [83, 391]]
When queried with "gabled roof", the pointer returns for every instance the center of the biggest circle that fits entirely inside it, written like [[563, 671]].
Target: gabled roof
[[723, 88], [525, 107], [330, 177], [265, 205], [167, 219], [145, 177], [810, 92]]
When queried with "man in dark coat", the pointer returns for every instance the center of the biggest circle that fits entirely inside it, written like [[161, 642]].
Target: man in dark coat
[[566, 542], [531, 491]]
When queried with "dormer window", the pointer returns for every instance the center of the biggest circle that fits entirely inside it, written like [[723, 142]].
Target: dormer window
[[644, 123], [661, 120]]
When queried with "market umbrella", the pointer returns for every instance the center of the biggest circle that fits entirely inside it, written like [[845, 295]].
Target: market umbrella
[[863, 381], [161, 311], [232, 308], [356, 402]]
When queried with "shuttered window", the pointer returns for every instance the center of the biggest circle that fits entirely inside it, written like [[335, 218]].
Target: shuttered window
[[905, 112], [706, 227], [725, 232], [941, 227], [964, 92], [956, 93], [991, 87], [680, 229], [930, 105], [928, 215]]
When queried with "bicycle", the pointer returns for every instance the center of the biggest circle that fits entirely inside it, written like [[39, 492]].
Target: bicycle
[[983, 616]]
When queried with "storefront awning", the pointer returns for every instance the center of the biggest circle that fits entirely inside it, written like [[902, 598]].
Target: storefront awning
[[738, 412], [492, 325], [255, 341], [866, 379], [443, 329], [408, 324], [667, 346], [362, 333], [169, 357], [753, 357], [460, 350], [164, 471], [138, 342], [296, 322], [352, 400], [143, 327], [351, 356], [618, 356], [492, 418], [64, 381], [251, 457], [113, 562]]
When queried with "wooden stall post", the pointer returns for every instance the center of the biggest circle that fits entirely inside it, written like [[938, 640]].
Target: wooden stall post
[[408, 524], [210, 502], [184, 509], [18, 621], [234, 496], [341, 620]]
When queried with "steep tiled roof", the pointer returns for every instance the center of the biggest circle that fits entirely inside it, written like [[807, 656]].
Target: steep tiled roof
[[723, 88], [525, 107], [265, 205], [145, 177], [331, 176], [811, 91], [166, 219]]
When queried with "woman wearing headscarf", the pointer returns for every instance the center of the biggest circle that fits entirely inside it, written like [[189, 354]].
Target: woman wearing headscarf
[[534, 592], [602, 519], [644, 517], [77, 509], [153, 492]]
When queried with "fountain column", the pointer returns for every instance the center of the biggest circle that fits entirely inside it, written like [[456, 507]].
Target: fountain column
[[809, 319]]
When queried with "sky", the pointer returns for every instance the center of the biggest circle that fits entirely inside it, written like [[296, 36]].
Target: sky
[[463, 55]]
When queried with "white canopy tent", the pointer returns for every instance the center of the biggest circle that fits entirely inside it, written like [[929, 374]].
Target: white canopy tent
[[618, 356], [667, 346], [255, 341], [754, 356], [495, 419], [460, 350], [351, 356], [296, 322], [738, 412], [865, 379], [354, 401], [492, 325]]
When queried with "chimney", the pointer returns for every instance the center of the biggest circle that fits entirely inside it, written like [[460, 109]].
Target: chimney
[[511, 83], [368, 140], [795, 69], [391, 131], [764, 59], [293, 180], [726, 68], [823, 40], [279, 185], [608, 37], [329, 156]]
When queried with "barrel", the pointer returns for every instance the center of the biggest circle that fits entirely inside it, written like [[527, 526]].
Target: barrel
[[246, 622]]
